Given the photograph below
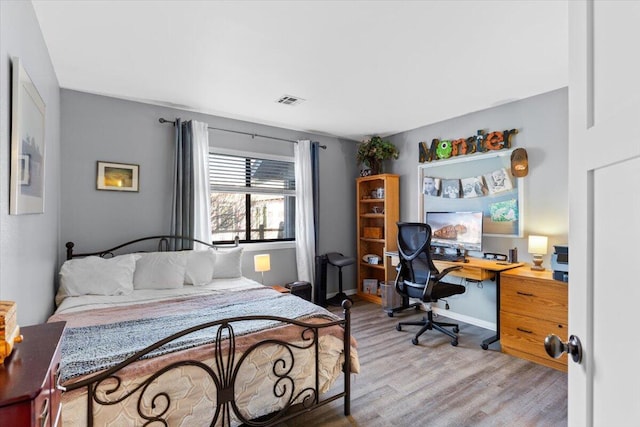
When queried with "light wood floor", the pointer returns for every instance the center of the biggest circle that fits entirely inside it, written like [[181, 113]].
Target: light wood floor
[[436, 384]]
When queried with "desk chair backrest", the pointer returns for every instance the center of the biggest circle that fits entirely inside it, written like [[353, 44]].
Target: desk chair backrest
[[418, 277], [414, 244]]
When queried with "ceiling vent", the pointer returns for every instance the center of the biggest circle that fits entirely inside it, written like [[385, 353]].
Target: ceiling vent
[[289, 100]]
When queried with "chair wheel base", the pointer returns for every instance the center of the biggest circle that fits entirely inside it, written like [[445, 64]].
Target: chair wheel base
[[454, 343], [456, 330], [398, 328], [414, 341]]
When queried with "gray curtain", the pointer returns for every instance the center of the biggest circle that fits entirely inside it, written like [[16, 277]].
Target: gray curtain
[[315, 176], [182, 213]]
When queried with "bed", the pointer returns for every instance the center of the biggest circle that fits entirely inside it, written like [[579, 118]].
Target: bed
[[176, 338]]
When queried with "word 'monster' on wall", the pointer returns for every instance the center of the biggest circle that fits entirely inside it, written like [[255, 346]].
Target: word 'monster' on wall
[[479, 143]]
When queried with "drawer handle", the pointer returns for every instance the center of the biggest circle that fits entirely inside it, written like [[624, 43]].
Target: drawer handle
[[524, 293], [44, 414], [524, 330]]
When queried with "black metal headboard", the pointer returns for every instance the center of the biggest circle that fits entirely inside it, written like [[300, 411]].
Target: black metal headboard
[[163, 245]]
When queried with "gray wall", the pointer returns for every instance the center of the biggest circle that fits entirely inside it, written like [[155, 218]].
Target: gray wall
[[542, 122], [102, 128], [28, 243]]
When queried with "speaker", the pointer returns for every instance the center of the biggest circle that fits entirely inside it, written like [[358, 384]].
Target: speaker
[[320, 285]]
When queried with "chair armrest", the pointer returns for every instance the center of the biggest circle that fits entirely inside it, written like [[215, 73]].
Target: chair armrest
[[433, 280], [444, 272]]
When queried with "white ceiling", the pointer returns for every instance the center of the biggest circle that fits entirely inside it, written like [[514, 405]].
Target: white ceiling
[[363, 67]]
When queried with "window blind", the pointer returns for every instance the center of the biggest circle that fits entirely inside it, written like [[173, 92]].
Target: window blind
[[235, 174]]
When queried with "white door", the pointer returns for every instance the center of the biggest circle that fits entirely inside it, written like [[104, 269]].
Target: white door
[[604, 211]]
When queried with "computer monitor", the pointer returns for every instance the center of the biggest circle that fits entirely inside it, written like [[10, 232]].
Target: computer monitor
[[457, 230]]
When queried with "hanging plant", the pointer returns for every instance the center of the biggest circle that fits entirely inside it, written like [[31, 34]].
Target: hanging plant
[[374, 151]]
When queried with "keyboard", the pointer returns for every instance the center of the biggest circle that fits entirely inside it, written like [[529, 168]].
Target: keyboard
[[448, 257]]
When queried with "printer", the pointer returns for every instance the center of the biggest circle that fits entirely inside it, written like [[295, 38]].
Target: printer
[[560, 263]]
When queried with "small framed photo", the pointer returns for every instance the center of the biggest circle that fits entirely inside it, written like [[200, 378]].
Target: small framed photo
[[431, 186], [117, 176], [473, 187], [451, 188]]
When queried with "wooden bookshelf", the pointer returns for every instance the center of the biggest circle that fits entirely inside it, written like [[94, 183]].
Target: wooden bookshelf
[[377, 229]]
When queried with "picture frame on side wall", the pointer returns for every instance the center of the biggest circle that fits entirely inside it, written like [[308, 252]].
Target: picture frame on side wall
[[27, 144], [117, 176]]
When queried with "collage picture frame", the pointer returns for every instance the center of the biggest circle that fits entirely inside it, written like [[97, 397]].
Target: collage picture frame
[[475, 183]]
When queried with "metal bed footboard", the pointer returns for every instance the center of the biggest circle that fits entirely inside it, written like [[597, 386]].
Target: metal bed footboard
[[293, 402]]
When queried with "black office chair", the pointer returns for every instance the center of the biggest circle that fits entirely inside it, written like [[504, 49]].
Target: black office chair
[[418, 277]]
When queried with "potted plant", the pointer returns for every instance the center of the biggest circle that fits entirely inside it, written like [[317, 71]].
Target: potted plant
[[374, 151]]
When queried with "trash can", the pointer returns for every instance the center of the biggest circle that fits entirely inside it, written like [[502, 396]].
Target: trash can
[[390, 298], [301, 289]]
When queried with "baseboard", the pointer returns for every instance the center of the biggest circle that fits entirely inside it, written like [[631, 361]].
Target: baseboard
[[464, 318]]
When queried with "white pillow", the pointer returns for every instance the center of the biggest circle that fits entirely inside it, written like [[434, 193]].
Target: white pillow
[[98, 276], [160, 270], [199, 267], [228, 264]]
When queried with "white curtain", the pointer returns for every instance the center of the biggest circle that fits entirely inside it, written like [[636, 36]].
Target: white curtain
[[201, 204], [305, 227]]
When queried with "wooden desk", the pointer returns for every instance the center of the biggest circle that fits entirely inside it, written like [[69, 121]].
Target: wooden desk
[[474, 269], [482, 269], [477, 268]]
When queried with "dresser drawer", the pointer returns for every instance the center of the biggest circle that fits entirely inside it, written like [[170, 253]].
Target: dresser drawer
[[527, 334], [536, 298]]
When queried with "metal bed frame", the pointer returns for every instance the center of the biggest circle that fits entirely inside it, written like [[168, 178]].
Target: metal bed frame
[[294, 402]]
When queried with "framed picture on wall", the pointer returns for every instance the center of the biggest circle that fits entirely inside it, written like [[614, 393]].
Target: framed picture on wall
[[117, 176], [27, 144]]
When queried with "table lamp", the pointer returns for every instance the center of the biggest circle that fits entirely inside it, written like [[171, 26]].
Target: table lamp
[[262, 263], [537, 247]]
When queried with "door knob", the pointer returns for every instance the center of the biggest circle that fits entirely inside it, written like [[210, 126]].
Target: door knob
[[555, 347]]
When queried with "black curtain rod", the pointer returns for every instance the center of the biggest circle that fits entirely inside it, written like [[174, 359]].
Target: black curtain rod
[[252, 135]]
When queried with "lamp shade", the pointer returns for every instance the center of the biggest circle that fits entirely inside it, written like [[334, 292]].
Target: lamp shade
[[262, 262], [538, 245]]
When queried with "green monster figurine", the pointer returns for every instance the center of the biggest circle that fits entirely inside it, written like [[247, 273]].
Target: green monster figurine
[[444, 148]]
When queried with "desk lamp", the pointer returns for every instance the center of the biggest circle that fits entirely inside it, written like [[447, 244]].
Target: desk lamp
[[537, 247], [262, 263]]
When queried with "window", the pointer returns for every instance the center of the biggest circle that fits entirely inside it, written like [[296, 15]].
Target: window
[[252, 198]]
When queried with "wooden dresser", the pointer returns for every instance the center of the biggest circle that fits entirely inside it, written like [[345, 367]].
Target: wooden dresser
[[28, 393], [532, 306]]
